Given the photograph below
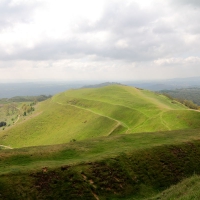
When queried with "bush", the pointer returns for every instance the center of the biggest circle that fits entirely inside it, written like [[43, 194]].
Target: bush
[[2, 124]]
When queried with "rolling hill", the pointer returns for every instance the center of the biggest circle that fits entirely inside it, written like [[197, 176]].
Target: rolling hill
[[134, 166], [94, 112], [112, 142]]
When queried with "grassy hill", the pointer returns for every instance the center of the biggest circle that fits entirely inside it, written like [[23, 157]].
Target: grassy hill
[[134, 166], [94, 112], [113, 142]]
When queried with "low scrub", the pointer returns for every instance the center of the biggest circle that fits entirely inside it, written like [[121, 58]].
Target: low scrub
[[137, 174], [2, 124]]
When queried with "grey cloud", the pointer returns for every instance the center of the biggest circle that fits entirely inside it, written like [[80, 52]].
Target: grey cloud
[[12, 13], [195, 3], [145, 30], [139, 49], [118, 16], [163, 28], [47, 50], [148, 33]]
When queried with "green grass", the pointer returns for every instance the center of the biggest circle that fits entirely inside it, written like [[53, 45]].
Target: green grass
[[89, 113], [58, 124], [136, 166], [88, 150], [188, 189], [77, 145]]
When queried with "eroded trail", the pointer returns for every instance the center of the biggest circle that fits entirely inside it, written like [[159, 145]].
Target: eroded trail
[[118, 122], [6, 147], [17, 119], [163, 121], [150, 99]]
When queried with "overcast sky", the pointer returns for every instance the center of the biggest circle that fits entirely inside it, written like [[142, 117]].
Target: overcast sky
[[99, 39]]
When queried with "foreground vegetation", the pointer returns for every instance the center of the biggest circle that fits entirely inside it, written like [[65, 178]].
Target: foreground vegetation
[[133, 166], [88, 150], [186, 190]]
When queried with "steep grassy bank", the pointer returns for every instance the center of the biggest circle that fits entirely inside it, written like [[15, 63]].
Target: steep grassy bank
[[34, 158], [89, 113], [135, 174], [185, 190]]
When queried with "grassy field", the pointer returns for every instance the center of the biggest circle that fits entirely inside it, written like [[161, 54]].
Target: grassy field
[[90, 150], [94, 112], [135, 166]]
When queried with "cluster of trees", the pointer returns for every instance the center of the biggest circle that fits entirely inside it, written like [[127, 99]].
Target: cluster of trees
[[27, 108], [189, 103], [2, 124]]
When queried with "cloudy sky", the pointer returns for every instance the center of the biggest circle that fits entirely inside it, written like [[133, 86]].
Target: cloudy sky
[[99, 39]]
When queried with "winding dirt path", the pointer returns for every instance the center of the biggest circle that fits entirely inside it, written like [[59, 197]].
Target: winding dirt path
[[17, 119], [6, 147], [164, 122], [118, 122]]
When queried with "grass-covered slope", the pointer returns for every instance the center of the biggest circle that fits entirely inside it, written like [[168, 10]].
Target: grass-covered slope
[[187, 189], [30, 158], [94, 112], [135, 166]]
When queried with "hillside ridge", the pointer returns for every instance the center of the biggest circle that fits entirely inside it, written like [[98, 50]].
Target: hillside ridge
[[79, 114]]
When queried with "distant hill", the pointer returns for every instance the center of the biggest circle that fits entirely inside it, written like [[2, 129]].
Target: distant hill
[[8, 90], [185, 93], [170, 84], [101, 85], [80, 114], [25, 98]]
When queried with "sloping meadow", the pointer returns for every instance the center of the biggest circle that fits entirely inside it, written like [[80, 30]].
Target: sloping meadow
[[126, 166], [137, 174], [82, 114]]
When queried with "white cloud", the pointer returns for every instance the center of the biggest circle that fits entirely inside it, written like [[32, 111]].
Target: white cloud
[[178, 61], [99, 39], [122, 44]]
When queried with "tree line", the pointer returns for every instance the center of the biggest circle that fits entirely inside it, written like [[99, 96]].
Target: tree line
[[188, 103], [192, 94], [27, 108]]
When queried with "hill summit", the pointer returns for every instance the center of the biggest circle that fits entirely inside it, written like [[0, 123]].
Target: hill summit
[[80, 114], [101, 85]]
